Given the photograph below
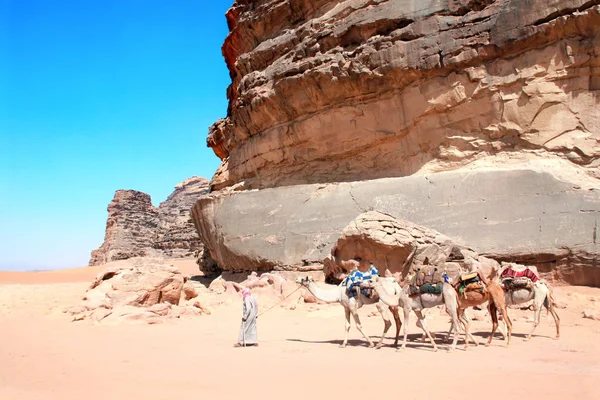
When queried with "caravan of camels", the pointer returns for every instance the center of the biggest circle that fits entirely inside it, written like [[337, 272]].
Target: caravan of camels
[[511, 284]]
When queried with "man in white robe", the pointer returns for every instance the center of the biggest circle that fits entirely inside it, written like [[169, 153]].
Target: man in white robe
[[247, 336]]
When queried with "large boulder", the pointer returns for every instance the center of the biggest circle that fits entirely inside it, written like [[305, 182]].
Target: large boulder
[[398, 247]]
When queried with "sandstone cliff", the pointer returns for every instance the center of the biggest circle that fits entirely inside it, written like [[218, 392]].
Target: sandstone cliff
[[135, 228], [477, 118]]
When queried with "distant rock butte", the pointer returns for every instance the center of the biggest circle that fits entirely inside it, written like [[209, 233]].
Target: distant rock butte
[[135, 228], [477, 118]]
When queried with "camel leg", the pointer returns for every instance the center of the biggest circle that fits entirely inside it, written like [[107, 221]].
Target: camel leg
[[347, 327], [423, 325], [508, 323], [494, 314], [550, 307], [464, 320], [538, 301], [359, 327], [454, 315], [556, 320], [394, 311], [405, 329], [383, 311], [502, 328]]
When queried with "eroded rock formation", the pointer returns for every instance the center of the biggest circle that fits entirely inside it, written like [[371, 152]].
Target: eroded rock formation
[[144, 292], [135, 228], [477, 118]]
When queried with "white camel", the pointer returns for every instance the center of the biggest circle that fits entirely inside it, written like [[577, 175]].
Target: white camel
[[351, 306], [541, 295], [400, 297]]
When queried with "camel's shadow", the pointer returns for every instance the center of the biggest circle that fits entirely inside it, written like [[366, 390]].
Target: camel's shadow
[[497, 335], [413, 341]]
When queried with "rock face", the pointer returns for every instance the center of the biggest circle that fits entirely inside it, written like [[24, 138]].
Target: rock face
[[136, 228], [477, 118], [329, 91]]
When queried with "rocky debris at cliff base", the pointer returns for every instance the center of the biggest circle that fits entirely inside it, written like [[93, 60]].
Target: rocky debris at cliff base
[[271, 288], [147, 291], [591, 314]]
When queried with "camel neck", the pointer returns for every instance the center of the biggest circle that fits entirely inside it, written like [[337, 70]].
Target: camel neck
[[328, 296], [388, 298]]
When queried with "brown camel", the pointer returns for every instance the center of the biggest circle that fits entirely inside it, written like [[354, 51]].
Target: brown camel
[[494, 295]]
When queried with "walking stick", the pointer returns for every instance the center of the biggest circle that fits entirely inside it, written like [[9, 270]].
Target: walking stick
[[244, 332]]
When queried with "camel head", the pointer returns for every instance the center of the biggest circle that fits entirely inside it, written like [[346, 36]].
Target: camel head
[[304, 281]]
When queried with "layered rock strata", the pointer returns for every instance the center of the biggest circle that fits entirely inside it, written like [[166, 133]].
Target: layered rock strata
[[135, 228], [477, 118], [329, 91]]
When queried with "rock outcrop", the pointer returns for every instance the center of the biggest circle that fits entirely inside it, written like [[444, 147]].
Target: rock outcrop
[[400, 247], [479, 119], [145, 292], [135, 228]]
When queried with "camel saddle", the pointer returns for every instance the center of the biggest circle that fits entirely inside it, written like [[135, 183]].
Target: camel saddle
[[469, 282], [510, 284], [515, 278]]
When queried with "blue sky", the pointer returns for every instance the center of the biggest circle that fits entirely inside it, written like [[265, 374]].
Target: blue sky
[[97, 96]]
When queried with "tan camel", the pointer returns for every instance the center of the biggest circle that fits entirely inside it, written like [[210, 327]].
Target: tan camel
[[400, 297], [541, 295], [351, 306], [494, 295]]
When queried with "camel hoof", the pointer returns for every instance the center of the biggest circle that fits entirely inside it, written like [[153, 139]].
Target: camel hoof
[[342, 346], [487, 344], [378, 346], [371, 345], [526, 339], [556, 338], [400, 350]]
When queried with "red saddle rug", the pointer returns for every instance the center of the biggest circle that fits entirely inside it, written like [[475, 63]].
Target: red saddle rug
[[526, 273]]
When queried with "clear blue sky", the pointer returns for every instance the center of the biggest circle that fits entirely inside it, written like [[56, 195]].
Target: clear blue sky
[[97, 96]]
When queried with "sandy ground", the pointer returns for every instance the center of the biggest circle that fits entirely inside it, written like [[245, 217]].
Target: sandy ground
[[44, 356]]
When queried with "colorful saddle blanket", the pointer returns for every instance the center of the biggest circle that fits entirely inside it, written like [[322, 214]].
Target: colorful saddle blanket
[[513, 274], [355, 278]]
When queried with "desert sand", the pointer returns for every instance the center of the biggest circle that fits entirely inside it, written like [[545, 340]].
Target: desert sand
[[44, 355]]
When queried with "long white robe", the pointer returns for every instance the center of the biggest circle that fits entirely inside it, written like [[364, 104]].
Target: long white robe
[[248, 328]]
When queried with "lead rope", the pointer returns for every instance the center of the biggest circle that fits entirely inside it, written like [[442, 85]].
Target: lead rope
[[299, 287]]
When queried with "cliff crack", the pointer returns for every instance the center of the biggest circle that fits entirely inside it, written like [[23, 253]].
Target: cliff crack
[[595, 234], [355, 202]]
